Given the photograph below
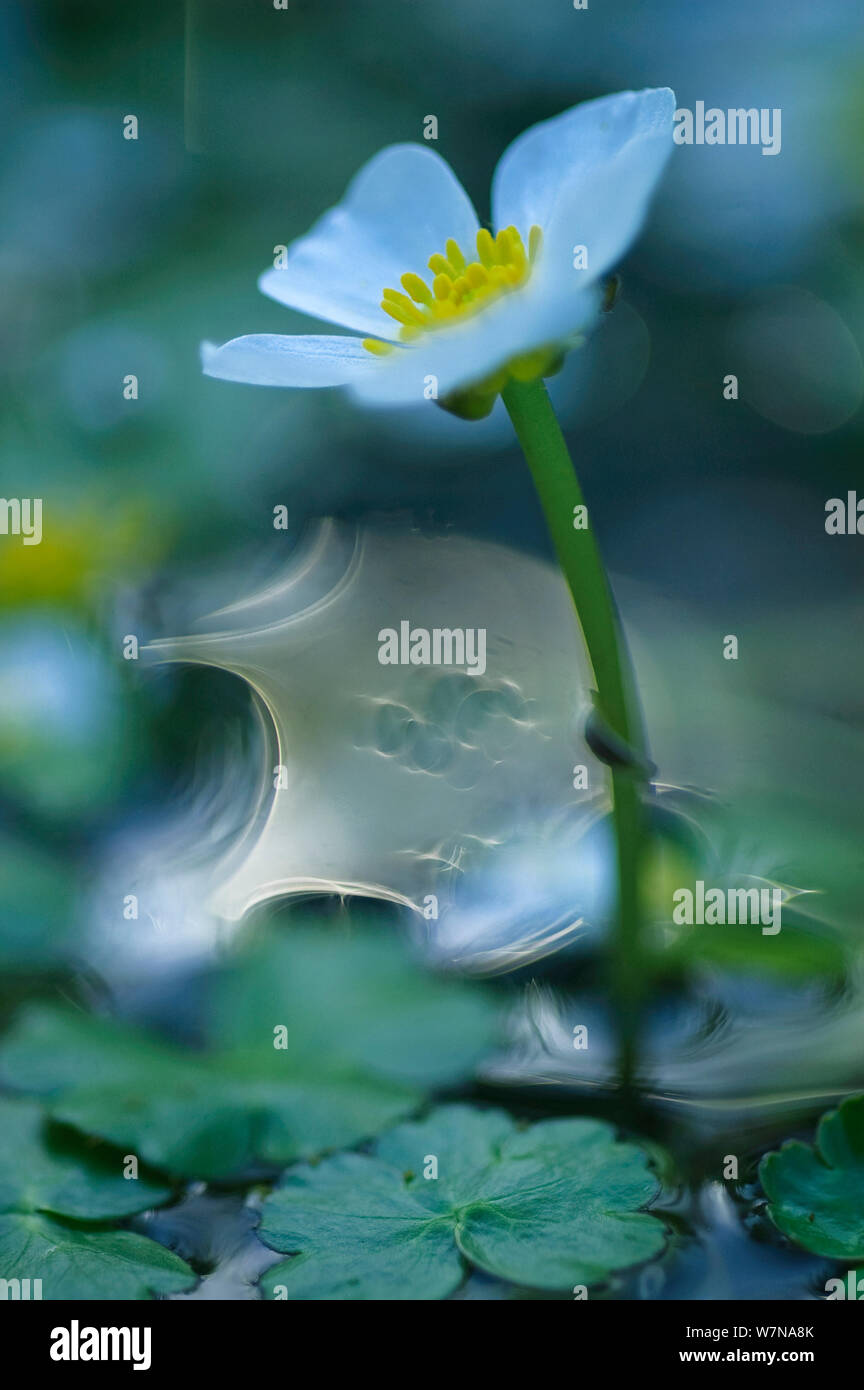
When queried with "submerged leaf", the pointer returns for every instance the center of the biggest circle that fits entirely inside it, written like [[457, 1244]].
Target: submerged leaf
[[550, 1206], [816, 1195]]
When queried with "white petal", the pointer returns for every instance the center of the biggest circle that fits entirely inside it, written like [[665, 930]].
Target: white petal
[[269, 359], [542, 161], [586, 178], [460, 357], [398, 211]]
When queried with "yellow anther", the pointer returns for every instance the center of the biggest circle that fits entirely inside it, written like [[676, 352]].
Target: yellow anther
[[458, 288], [417, 288], [377, 347], [517, 250], [503, 249], [400, 308], [394, 311], [439, 265], [486, 247], [454, 256], [476, 275]]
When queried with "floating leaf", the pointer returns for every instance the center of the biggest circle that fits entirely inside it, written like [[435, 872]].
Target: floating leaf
[[318, 1041], [74, 1263], [38, 1172], [360, 1000], [43, 1179], [549, 1206], [193, 1114], [816, 1195]]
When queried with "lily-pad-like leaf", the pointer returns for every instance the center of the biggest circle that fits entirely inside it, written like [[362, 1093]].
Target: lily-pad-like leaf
[[75, 1263], [549, 1206], [317, 1041], [359, 999], [43, 1180], [38, 1172], [816, 1196], [194, 1114]]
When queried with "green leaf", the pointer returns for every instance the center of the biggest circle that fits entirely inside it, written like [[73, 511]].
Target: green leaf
[[548, 1207], [39, 1172], [357, 1000], [36, 898], [802, 950], [44, 1178], [816, 1196], [363, 1029], [191, 1114], [74, 1263]]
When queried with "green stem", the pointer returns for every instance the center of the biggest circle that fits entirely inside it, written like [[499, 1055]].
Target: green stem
[[558, 488]]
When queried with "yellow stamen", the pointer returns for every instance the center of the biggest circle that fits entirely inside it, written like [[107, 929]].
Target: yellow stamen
[[400, 308], [377, 347], [517, 250], [458, 287], [439, 265], [486, 247], [503, 249], [476, 276], [417, 288], [454, 256]]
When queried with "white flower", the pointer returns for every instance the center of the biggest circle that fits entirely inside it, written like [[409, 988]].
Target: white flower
[[404, 263]]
